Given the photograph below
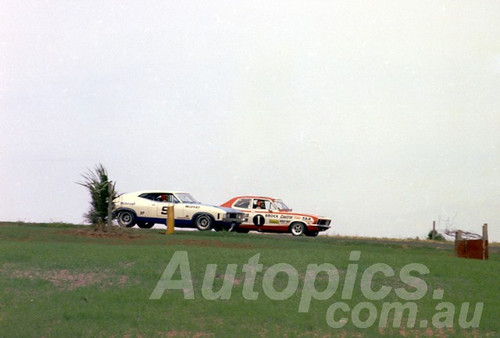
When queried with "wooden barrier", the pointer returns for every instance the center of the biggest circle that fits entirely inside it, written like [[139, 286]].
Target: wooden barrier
[[472, 248]]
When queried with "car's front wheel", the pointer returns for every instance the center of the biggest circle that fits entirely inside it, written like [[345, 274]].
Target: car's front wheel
[[126, 218], [312, 233], [203, 222], [226, 227], [297, 229]]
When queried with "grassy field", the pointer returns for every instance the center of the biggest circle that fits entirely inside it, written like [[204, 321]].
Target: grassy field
[[66, 280]]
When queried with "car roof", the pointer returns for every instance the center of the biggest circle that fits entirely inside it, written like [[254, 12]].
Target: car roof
[[257, 197], [157, 191]]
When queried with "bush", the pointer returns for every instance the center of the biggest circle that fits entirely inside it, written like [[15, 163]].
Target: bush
[[102, 192], [434, 235]]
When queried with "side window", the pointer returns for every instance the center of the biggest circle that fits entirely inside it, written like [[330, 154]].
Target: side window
[[149, 196], [271, 206], [167, 198], [159, 197], [163, 197], [260, 204], [242, 203]]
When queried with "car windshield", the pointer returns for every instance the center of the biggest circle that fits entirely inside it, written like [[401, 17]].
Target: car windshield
[[186, 198], [281, 205]]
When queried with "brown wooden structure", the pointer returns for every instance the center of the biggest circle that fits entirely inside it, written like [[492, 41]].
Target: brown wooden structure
[[472, 248]]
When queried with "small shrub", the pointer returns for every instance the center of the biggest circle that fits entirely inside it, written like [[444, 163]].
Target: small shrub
[[436, 236], [102, 192]]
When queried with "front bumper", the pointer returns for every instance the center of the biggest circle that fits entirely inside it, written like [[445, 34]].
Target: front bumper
[[323, 224], [235, 218]]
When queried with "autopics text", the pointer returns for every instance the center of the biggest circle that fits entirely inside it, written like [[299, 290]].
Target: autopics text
[[362, 315]]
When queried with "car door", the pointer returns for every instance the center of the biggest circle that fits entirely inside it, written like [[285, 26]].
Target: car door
[[162, 209], [169, 200], [260, 213]]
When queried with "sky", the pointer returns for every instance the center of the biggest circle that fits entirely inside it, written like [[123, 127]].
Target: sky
[[382, 115]]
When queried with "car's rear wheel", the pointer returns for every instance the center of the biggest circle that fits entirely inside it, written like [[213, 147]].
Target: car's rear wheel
[[297, 229], [145, 225], [126, 218], [203, 222]]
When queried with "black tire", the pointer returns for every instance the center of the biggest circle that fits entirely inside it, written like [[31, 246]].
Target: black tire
[[297, 228], [203, 222], [126, 218], [312, 233], [145, 225], [226, 227]]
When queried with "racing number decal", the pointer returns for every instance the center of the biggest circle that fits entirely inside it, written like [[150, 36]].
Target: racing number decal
[[259, 220], [164, 210]]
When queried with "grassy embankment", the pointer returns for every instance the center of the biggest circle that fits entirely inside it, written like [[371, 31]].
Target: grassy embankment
[[61, 280]]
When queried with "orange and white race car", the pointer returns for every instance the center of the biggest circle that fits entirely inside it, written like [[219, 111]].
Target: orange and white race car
[[266, 214]]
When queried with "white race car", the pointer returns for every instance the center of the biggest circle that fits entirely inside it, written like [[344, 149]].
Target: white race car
[[145, 208]]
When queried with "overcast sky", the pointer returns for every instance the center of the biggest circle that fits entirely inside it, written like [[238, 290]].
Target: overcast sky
[[384, 115]]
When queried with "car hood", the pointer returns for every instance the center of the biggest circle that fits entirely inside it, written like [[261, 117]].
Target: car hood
[[225, 208], [293, 213]]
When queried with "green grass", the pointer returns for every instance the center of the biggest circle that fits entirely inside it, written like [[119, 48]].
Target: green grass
[[56, 280]]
